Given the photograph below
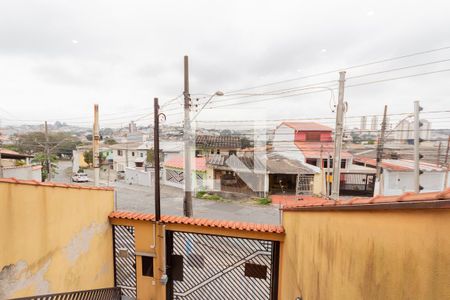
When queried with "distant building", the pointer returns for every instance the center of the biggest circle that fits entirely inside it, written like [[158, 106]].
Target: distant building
[[132, 127], [374, 123], [363, 126]]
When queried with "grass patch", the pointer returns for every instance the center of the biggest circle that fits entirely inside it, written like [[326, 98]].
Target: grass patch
[[264, 201], [211, 197]]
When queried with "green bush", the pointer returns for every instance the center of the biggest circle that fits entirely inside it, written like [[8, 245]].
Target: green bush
[[264, 201], [200, 194], [211, 197]]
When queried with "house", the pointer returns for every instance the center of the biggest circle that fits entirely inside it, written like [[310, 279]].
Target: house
[[18, 165], [397, 176], [126, 155], [261, 174], [173, 172], [313, 144], [213, 144], [78, 160]]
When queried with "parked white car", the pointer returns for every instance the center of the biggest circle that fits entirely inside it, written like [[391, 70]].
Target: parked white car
[[80, 177]]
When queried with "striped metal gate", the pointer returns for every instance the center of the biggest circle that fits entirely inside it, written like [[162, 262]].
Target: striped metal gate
[[125, 260], [202, 266]]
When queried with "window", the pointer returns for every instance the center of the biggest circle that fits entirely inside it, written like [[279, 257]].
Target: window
[[325, 163], [313, 136], [119, 152], [142, 154], [132, 153], [232, 152], [147, 266], [343, 163], [218, 151], [312, 161]]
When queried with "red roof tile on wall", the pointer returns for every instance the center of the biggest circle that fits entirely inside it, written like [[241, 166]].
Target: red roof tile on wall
[[199, 222], [406, 197], [54, 184]]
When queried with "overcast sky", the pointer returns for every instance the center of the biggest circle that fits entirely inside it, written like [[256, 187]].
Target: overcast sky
[[58, 58]]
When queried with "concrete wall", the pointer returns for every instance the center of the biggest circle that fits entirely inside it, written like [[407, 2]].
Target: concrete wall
[[385, 254], [23, 172], [139, 177], [54, 239], [395, 183]]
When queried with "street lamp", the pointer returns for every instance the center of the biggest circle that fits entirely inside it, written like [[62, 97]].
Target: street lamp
[[218, 93]]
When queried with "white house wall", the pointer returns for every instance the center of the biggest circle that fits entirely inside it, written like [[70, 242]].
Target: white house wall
[[396, 183]]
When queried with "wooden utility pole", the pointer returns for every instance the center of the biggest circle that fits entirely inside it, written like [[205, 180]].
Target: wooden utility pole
[[47, 154], [156, 158], [187, 203], [338, 138], [95, 147], [380, 149]]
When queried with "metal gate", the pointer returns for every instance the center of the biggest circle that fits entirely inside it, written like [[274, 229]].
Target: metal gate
[[202, 266], [304, 184], [125, 260], [357, 184]]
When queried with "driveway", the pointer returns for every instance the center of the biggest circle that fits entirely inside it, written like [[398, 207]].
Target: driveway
[[142, 199]]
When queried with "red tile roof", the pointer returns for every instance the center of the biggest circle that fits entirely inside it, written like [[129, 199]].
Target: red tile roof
[[312, 149], [178, 162], [54, 184], [406, 197], [307, 126], [199, 222]]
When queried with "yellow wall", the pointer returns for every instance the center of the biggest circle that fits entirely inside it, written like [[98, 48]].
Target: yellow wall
[[54, 239], [402, 254], [150, 288]]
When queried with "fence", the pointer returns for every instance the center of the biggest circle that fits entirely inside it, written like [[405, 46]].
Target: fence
[[98, 294]]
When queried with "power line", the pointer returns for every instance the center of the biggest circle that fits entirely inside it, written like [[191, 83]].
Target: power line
[[347, 68]]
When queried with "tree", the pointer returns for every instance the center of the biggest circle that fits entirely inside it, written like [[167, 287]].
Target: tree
[[60, 143], [110, 141], [89, 157], [41, 159], [150, 160]]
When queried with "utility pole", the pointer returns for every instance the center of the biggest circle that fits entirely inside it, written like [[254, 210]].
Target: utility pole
[[95, 147], [438, 158], [417, 141], [321, 171], [446, 164], [380, 148], [156, 157], [47, 154], [187, 203], [338, 138]]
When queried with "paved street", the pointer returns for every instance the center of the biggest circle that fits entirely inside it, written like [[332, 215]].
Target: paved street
[[141, 199]]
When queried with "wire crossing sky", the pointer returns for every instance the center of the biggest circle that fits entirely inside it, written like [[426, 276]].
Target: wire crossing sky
[[274, 60]]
